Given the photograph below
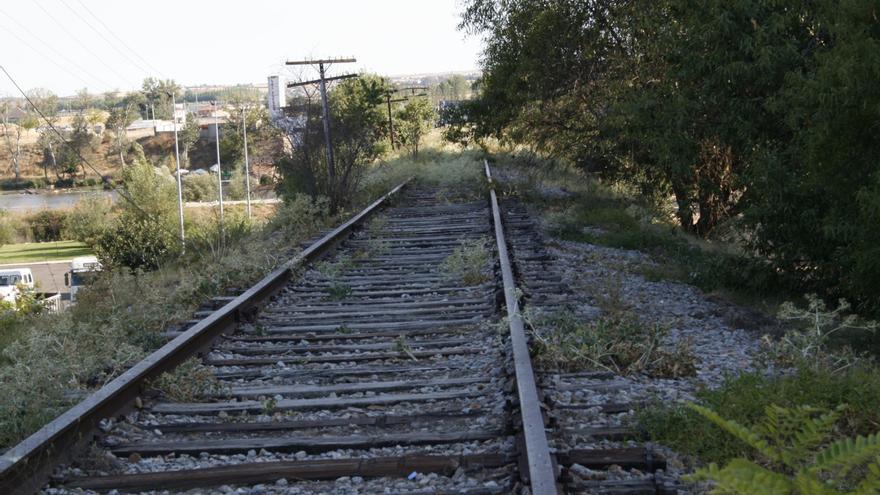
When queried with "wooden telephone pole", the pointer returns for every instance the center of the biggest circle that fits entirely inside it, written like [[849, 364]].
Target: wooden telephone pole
[[324, 64], [389, 101]]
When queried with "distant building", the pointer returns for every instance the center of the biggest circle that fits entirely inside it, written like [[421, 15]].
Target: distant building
[[277, 98]]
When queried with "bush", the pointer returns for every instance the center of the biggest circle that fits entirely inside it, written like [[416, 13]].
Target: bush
[[235, 189], [204, 234], [301, 216], [202, 187], [47, 225], [89, 219], [137, 242], [744, 399]]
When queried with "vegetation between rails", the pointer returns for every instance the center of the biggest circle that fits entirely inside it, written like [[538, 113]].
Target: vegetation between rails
[[468, 262]]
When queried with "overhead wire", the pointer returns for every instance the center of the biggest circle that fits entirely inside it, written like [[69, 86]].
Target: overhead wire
[[114, 46], [78, 75], [121, 41], [85, 47]]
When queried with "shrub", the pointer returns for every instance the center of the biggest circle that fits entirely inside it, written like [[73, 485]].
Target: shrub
[[89, 219], [206, 235], [808, 343], [201, 187], [137, 242], [47, 225], [301, 216], [235, 189]]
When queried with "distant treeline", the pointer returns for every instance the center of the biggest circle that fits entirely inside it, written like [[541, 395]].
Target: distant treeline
[[760, 114]]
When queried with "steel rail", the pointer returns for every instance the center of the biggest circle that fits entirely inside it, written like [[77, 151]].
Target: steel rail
[[26, 467], [541, 468]]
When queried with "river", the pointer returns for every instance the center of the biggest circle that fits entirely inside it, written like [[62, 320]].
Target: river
[[45, 200]]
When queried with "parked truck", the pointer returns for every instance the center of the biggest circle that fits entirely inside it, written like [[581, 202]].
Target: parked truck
[[14, 282], [77, 277]]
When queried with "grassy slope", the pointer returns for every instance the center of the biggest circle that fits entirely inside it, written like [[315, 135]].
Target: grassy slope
[[42, 251]]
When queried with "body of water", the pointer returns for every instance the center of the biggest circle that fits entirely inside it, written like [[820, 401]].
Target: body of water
[[47, 200]]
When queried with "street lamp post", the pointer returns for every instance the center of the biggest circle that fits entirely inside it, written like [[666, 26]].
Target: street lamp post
[[219, 168], [247, 171], [179, 180]]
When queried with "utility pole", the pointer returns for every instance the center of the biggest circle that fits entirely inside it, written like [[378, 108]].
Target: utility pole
[[390, 120], [179, 179], [322, 81], [247, 171], [389, 101]]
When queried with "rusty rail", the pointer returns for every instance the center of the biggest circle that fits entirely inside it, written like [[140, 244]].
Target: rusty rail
[[27, 466], [541, 474]]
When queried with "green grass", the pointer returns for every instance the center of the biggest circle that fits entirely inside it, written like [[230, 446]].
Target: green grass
[[42, 251]]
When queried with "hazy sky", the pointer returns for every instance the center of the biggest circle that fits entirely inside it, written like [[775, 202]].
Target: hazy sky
[[65, 45]]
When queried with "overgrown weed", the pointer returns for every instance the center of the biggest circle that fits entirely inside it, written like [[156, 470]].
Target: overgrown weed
[[468, 262], [620, 343], [188, 382]]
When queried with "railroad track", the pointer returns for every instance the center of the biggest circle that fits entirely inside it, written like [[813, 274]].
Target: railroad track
[[372, 371], [364, 365], [584, 409]]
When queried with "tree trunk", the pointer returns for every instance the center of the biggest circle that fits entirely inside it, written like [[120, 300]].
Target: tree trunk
[[684, 211]]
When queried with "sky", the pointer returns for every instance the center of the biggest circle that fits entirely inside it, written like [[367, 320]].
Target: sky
[[103, 45]]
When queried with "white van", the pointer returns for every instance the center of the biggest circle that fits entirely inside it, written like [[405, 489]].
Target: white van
[[76, 277], [12, 280]]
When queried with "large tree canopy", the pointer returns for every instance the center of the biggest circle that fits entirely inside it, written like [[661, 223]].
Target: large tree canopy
[[764, 111]]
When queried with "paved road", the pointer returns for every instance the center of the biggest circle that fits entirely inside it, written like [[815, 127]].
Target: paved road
[[48, 275]]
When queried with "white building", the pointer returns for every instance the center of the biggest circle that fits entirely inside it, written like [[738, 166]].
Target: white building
[[277, 97]]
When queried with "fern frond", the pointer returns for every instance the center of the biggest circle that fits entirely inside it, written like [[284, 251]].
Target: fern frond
[[870, 484], [809, 434], [744, 434], [744, 477], [847, 453], [809, 484]]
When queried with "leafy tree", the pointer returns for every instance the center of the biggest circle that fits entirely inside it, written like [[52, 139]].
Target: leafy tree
[[121, 116], [157, 97], [47, 104], [189, 136], [12, 134], [359, 128], [80, 140], [144, 236], [414, 120], [764, 112]]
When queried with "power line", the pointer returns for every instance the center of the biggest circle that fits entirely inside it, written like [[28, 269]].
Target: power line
[[122, 193], [83, 45], [136, 54], [50, 47], [93, 28]]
